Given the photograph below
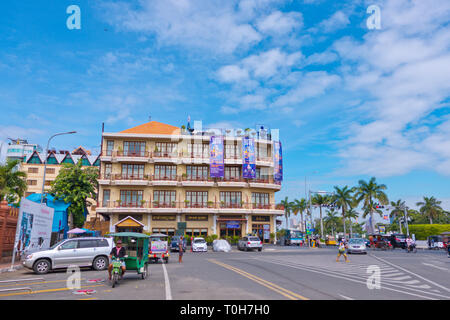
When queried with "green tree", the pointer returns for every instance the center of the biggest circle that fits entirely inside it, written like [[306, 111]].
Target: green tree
[[343, 198], [398, 212], [430, 207], [76, 184], [320, 200], [351, 214], [287, 209], [367, 192], [331, 221], [299, 206], [12, 182]]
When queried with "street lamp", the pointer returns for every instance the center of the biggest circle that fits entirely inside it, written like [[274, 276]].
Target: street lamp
[[46, 156]]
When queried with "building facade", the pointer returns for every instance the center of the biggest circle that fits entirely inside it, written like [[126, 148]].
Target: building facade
[[33, 166], [155, 176], [19, 149]]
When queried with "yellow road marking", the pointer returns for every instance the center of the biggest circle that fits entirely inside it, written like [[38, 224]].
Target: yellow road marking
[[46, 290], [88, 299], [287, 293], [32, 283]]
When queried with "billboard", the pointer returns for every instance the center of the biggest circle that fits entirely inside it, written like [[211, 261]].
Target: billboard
[[34, 227], [216, 164], [248, 158], [277, 162]]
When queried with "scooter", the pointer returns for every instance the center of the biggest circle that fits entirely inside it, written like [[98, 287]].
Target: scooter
[[116, 271], [411, 248]]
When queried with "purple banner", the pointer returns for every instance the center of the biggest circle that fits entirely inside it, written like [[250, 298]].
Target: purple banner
[[248, 158], [277, 162], [216, 164]]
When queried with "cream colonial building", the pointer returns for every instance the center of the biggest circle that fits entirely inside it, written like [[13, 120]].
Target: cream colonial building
[[155, 175]]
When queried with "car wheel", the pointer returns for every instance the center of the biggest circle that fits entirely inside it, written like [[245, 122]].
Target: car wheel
[[42, 266], [145, 273], [100, 263]]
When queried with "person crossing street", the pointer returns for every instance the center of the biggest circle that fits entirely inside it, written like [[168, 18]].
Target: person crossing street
[[341, 250]]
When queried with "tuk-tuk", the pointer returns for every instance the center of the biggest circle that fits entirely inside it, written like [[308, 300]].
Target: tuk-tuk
[[136, 245], [159, 247], [435, 242], [330, 241]]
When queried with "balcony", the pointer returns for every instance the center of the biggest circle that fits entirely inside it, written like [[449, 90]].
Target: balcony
[[128, 179], [232, 182], [264, 183], [131, 156], [161, 157], [160, 180], [190, 181]]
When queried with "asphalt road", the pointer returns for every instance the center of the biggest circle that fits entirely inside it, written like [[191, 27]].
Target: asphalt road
[[286, 273]]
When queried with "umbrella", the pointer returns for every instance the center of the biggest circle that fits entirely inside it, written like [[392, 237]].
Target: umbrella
[[76, 231]]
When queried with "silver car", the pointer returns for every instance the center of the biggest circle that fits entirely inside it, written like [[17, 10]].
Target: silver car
[[250, 243], [356, 245], [81, 252]]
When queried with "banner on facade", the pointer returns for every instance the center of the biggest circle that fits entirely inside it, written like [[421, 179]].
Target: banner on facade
[[216, 158], [248, 158], [233, 225], [277, 162], [34, 227]]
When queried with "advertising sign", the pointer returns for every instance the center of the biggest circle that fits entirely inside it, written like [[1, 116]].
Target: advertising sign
[[277, 162], [248, 158], [266, 232], [34, 227], [233, 225], [216, 164]]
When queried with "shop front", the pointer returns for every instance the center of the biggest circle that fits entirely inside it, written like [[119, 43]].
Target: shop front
[[231, 226], [164, 223], [196, 225], [261, 227], [129, 224]]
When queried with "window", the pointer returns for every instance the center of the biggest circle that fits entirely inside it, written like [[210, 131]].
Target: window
[[134, 148], [164, 196], [200, 150], [71, 244], [232, 173], [260, 199], [230, 198], [166, 147], [102, 243], [82, 244], [197, 172], [197, 232], [48, 182], [106, 197], [231, 150], [33, 170], [261, 151], [31, 182], [50, 171], [108, 168], [135, 171], [35, 159], [109, 147], [165, 172], [131, 198], [169, 231], [68, 159], [196, 198], [52, 159]]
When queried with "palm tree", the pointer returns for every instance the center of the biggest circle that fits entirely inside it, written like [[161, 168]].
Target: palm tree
[[287, 210], [368, 192], [430, 207], [320, 201], [351, 214], [299, 206], [343, 198], [12, 182], [398, 211], [331, 219]]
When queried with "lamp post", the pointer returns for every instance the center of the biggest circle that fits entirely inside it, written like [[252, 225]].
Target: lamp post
[[46, 156]]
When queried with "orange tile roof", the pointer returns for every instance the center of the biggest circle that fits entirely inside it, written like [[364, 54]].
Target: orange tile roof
[[153, 127]]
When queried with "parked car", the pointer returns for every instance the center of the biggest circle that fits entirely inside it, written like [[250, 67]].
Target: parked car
[[174, 244], [81, 252], [199, 244], [250, 243], [398, 241], [220, 245], [356, 245]]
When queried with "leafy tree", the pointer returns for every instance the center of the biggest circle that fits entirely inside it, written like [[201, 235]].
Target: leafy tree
[[331, 221], [287, 209], [299, 206], [76, 184], [367, 192], [320, 200], [397, 212], [351, 214], [430, 207], [343, 199], [12, 182]]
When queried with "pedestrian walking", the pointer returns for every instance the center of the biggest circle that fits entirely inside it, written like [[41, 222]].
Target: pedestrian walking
[[341, 251], [180, 250], [448, 247], [318, 242]]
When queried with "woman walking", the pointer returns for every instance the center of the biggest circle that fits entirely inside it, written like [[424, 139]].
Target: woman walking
[[180, 250]]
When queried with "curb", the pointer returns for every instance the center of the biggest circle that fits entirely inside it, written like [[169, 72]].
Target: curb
[[16, 267]]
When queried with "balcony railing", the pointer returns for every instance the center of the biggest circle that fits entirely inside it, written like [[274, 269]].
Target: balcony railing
[[139, 154], [122, 176], [165, 178], [161, 154], [196, 178], [189, 205]]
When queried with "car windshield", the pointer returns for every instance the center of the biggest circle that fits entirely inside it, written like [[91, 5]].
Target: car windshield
[[199, 241], [356, 241], [253, 239]]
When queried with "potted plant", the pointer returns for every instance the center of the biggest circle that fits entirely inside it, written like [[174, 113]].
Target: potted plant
[[142, 203], [210, 204], [119, 202], [156, 204]]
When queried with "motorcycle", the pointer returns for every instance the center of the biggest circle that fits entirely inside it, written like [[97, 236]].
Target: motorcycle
[[411, 248], [116, 271]]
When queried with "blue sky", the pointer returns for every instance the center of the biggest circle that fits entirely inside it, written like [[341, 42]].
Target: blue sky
[[350, 102]]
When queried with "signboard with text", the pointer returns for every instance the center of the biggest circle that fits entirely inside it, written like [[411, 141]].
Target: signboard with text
[[248, 158], [216, 159], [277, 162]]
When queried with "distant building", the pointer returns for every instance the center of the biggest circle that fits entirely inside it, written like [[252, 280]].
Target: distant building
[[33, 166], [19, 149]]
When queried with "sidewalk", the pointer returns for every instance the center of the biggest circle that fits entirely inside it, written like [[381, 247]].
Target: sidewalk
[[4, 267]]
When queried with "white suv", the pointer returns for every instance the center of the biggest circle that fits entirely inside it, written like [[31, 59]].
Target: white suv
[[250, 243], [81, 252]]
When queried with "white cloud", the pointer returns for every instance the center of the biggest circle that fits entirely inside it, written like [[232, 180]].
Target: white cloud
[[232, 73], [337, 21], [279, 23], [267, 64]]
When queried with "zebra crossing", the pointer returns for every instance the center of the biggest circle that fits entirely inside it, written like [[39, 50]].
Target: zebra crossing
[[392, 277]]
